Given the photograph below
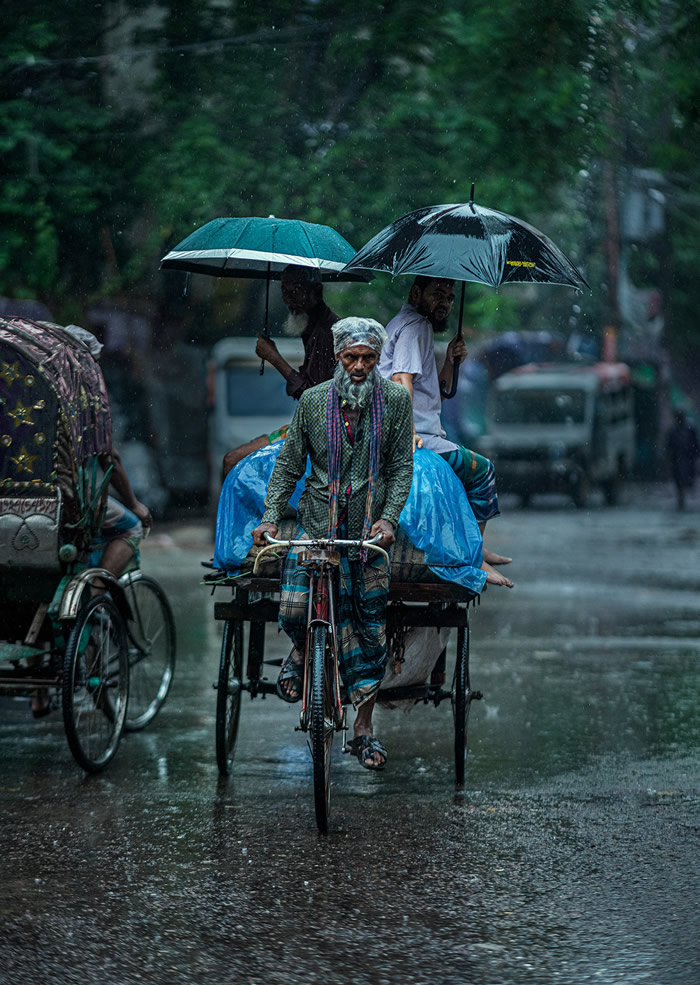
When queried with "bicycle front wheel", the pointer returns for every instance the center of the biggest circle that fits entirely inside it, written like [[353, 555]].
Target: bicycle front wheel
[[96, 684], [322, 725], [228, 694], [151, 649]]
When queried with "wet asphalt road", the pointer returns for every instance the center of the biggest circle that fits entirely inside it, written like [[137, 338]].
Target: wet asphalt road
[[572, 858]]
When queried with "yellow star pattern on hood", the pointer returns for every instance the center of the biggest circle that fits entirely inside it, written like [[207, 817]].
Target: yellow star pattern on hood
[[24, 461], [21, 414], [10, 372]]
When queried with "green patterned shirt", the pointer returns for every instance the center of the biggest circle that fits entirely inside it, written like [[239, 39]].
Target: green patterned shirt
[[307, 436]]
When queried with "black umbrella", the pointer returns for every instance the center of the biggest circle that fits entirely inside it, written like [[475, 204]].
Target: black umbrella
[[467, 242]]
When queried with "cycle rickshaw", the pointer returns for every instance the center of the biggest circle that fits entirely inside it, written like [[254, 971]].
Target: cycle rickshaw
[[417, 598], [105, 647]]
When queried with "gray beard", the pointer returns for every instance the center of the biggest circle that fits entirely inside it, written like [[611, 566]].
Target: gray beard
[[294, 325], [355, 395]]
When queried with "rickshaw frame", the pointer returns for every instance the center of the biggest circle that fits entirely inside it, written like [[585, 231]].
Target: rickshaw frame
[[255, 602], [66, 624]]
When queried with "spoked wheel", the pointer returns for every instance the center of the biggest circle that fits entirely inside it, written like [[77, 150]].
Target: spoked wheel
[[322, 725], [151, 648], [96, 684], [228, 694], [462, 697]]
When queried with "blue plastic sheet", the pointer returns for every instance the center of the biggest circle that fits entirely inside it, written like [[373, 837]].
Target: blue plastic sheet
[[437, 517]]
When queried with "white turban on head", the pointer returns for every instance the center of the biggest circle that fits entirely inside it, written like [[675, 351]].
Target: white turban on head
[[358, 331]]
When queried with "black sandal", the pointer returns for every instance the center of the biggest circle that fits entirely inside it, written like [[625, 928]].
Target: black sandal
[[290, 671], [364, 747]]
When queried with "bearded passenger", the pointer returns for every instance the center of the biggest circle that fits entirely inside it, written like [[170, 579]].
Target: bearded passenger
[[356, 430], [408, 358]]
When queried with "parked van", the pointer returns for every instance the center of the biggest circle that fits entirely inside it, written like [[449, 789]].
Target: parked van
[[561, 428], [244, 403]]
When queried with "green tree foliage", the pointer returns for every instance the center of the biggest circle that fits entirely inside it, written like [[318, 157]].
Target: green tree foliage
[[354, 117], [126, 125], [65, 188]]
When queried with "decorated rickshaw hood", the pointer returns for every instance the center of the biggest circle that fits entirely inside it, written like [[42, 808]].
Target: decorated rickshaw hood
[[45, 372]]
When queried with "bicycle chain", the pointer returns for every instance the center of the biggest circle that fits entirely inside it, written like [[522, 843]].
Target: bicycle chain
[[396, 639]]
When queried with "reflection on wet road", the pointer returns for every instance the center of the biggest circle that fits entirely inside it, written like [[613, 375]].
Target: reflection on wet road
[[572, 858]]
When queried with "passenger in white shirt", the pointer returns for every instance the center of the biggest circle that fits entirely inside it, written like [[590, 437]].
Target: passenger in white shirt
[[408, 358]]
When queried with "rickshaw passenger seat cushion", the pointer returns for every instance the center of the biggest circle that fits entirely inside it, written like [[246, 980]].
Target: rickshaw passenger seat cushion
[[29, 531]]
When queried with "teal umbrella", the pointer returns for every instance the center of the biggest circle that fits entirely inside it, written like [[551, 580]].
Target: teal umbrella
[[257, 247], [262, 248]]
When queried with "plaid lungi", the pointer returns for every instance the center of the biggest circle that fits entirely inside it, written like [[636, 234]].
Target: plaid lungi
[[478, 477], [362, 595]]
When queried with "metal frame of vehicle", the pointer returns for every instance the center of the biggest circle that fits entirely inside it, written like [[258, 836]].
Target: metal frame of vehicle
[[561, 428]]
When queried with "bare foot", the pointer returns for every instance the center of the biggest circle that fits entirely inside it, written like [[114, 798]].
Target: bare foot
[[494, 577], [492, 558]]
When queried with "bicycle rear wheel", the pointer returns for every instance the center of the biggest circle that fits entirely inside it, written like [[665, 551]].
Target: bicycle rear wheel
[[151, 649], [322, 725], [96, 684], [228, 694], [461, 700]]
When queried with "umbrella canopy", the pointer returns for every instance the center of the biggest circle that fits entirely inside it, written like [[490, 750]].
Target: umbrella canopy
[[467, 242], [257, 247]]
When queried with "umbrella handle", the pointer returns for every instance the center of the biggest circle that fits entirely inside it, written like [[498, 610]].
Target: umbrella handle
[[449, 394], [266, 332]]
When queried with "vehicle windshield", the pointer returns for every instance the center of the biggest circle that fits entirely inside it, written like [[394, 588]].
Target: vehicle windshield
[[540, 407], [249, 394]]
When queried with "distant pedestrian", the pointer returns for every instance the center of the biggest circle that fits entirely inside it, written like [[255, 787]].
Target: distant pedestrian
[[682, 450]]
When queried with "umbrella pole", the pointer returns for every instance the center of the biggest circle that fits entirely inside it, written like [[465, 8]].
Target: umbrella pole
[[448, 395], [267, 309]]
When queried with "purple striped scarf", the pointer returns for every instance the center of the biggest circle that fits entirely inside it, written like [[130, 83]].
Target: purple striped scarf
[[334, 429]]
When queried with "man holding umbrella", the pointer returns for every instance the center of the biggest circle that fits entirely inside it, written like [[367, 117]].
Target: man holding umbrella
[[408, 358], [310, 317]]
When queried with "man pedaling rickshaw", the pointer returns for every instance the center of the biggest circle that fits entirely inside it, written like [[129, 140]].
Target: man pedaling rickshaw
[[357, 431]]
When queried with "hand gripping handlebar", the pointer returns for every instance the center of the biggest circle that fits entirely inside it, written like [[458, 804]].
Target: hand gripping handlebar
[[318, 544]]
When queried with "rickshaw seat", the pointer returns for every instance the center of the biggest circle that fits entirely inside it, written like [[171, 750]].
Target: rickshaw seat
[[29, 531]]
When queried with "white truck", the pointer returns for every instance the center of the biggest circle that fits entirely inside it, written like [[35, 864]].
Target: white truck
[[561, 428]]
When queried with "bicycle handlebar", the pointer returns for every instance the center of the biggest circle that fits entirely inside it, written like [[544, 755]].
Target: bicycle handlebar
[[316, 544]]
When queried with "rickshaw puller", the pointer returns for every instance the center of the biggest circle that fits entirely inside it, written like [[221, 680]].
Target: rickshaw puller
[[357, 430]]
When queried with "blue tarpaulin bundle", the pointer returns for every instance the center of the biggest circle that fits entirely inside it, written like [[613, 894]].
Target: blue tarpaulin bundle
[[437, 517]]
